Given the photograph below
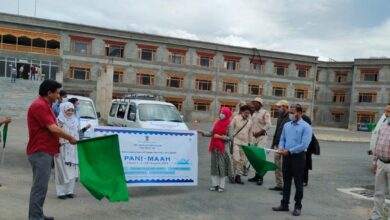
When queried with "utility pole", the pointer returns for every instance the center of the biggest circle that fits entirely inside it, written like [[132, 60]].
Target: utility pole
[[35, 12], [18, 6]]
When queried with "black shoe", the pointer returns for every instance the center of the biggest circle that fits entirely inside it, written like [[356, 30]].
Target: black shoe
[[276, 188], [238, 180], [62, 197], [232, 180], [260, 181], [48, 218], [280, 209], [70, 196], [297, 212], [255, 178]]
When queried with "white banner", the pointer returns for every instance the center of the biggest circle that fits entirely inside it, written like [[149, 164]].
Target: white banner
[[155, 157]]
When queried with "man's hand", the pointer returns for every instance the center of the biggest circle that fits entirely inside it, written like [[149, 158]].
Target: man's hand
[[72, 140], [374, 167], [283, 152], [258, 134], [6, 120]]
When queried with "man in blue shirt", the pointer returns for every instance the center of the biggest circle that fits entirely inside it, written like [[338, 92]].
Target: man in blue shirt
[[294, 141]]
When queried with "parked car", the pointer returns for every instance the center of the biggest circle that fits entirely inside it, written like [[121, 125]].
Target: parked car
[[150, 114]]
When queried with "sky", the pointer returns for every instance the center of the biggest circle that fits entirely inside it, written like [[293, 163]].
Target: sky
[[341, 30]]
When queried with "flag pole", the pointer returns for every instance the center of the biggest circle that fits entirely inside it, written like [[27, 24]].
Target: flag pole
[[271, 150]]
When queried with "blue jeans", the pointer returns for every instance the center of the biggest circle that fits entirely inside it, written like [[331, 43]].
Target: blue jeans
[[13, 77]]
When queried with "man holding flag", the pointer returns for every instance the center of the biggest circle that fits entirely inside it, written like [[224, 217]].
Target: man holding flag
[[43, 144], [261, 123], [294, 141]]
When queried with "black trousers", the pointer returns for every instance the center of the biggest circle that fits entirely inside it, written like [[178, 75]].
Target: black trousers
[[293, 168]]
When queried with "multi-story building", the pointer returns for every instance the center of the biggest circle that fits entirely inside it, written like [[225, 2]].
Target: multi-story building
[[197, 77]]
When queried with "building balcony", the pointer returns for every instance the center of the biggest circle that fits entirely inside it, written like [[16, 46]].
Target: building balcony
[[29, 49]]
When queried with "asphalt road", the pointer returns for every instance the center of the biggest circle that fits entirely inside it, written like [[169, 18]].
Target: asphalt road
[[341, 165]]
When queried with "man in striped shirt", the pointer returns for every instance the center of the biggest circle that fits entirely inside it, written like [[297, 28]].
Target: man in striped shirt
[[381, 165]]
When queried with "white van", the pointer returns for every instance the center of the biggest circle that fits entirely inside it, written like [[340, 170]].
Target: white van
[[136, 113], [87, 113]]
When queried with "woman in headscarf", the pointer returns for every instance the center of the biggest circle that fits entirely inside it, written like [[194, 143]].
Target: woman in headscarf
[[220, 160], [66, 162]]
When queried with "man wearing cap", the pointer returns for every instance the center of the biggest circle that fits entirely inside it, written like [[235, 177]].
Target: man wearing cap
[[261, 123], [283, 106]]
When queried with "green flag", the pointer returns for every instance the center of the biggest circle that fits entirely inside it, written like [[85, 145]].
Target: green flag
[[258, 159], [5, 131], [101, 170]]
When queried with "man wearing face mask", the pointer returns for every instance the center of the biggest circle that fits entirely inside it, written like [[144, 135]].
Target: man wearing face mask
[[261, 123], [283, 118], [241, 126], [294, 141]]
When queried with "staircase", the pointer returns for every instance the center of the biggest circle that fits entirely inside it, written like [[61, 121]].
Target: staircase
[[15, 98]]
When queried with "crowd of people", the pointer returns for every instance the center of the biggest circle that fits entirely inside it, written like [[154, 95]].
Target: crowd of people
[[293, 141], [33, 73], [54, 128]]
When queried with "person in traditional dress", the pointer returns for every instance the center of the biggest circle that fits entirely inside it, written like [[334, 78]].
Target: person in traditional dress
[[219, 144], [66, 162]]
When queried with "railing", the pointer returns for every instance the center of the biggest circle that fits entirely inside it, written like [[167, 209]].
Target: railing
[[29, 49]]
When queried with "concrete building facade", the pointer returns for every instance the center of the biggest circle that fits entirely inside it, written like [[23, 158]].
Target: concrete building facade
[[198, 77]]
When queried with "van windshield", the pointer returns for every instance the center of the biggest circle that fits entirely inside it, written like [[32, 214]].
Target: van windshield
[[86, 109], [158, 112]]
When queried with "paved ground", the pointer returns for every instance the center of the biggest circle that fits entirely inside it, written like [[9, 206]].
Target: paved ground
[[341, 165]]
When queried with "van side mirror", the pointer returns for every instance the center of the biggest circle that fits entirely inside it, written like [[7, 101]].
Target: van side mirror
[[98, 114], [132, 116]]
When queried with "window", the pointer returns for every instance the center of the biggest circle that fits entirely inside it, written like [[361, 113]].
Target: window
[[80, 47], [79, 73], [147, 52], [121, 110], [280, 71], [337, 116], [301, 93], [279, 91], [175, 82], [177, 56], [145, 79], [202, 106], [178, 103], [302, 73], [231, 65], [254, 89], [205, 59], [231, 106], [81, 44], [367, 97], [132, 114], [118, 77], [230, 87], [203, 84], [113, 109], [339, 97], [257, 65], [370, 77], [114, 50], [369, 74], [341, 77], [365, 118]]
